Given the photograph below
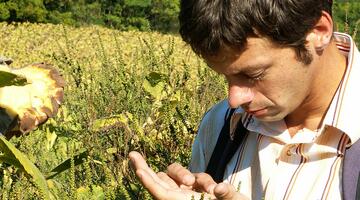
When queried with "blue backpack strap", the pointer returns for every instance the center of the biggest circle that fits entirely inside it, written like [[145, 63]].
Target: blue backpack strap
[[225, 148], [351, 172]]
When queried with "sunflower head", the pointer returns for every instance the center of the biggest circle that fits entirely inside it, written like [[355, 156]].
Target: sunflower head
[[33, 94]]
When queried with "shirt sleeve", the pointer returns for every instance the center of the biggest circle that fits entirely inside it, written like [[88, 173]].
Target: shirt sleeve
[[206, 138]]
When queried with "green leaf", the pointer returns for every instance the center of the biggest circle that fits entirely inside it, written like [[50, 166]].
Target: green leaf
[[154, 78], [83, 192], [10, 160], [112, 150], [12, 155], [98, 192], [8, 79], [154, 84], [101, 124], [157, 91], [78, 159], [93, 192]]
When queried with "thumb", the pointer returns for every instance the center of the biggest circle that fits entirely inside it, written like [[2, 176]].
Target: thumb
[[225, 191]]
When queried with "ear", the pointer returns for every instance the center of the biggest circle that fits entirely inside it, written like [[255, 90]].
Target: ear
[[320, 35]]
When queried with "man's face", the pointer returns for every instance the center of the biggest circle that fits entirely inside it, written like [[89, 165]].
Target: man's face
[[266, 80]]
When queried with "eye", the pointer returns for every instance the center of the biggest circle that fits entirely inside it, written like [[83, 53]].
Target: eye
[[255, 77]]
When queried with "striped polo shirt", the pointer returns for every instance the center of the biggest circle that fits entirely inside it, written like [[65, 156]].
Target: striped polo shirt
[[271, 164]]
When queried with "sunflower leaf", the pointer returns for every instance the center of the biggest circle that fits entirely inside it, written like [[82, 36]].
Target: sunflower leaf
[[8, 79]]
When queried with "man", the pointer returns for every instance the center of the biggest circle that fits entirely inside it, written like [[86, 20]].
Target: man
[[293, 83]]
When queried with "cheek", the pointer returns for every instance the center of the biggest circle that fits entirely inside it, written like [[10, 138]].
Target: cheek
[[273, 89], [286, 84], [280, 92]]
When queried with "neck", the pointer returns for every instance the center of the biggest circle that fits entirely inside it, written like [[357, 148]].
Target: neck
[[330, 67]]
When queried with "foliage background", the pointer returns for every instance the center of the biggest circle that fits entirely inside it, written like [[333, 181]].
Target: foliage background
[[128, 88], [125, 91], [160, 15]]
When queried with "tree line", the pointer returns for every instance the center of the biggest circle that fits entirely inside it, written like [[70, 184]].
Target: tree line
[[158, 15]]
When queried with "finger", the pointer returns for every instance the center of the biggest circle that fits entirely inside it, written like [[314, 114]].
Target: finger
[[161, 193], [139, 163], [225, 191], [164, 177], [204, 182], [155, 189], [137, 160], [180, 174]]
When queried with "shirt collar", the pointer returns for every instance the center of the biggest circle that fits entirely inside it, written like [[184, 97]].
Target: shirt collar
[[346, 102]]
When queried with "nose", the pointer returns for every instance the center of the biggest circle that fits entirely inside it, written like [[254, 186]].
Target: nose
[[239, 95]]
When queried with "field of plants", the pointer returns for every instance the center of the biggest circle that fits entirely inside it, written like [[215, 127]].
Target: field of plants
[[124, 91]]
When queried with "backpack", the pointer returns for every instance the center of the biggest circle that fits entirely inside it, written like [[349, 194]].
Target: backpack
[[226, 147]]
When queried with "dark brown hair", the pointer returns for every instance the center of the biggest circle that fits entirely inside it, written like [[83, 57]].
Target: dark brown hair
[[209, 25]]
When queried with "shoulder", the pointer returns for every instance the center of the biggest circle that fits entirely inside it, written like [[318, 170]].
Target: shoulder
[[208, 133], [215, 117], [211, 125]]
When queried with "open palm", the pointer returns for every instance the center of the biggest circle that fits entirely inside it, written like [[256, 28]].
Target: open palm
[[160, 185]]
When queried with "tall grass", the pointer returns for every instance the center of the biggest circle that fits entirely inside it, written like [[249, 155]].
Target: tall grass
[[125, 91]]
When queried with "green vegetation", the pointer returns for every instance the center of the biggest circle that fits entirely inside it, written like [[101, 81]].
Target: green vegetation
[[125, 91], [158, 15], [347, 17]]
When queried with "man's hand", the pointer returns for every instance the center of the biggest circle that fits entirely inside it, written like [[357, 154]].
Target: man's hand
[[160, 185], [203, 182], [180, 183]]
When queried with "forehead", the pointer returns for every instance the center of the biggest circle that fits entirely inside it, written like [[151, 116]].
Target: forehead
[[257, 51]]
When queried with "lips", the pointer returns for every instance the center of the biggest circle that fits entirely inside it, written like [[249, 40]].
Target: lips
[[257, 112]]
